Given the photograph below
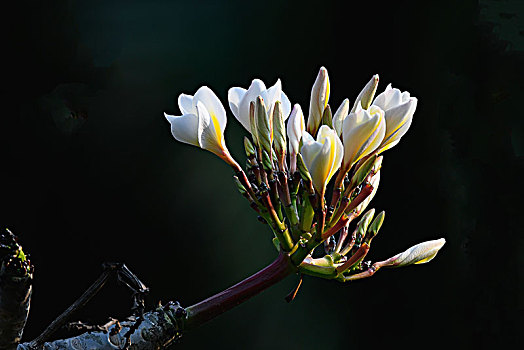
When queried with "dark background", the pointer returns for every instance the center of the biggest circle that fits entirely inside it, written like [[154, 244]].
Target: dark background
[[113, 185]]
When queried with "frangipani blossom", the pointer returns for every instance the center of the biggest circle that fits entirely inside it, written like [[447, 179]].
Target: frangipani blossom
[[296, 127], [362, 132], [239, 100], [399, 108], [322, 157], [202, 122], [319, 100], [418, 254]]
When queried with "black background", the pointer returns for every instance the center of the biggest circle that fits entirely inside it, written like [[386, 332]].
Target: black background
[[115, 186]]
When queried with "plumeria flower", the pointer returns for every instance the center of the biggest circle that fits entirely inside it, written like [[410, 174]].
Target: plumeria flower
[[399, 108], [296, 127], [362, 132], [239, 100], [202, 122], [418, 254], [319, 100], [322, 157]]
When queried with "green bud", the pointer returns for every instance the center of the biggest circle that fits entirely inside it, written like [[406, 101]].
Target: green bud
[[264, 126], [250, 149], [377, 165], [253, 122], [266, 161], [240, 187], [327, 117], [363, 224], [375, 226], [366, 95], [363, 171], [304, 173], [279, 134]]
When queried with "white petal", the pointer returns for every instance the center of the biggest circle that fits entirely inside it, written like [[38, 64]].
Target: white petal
[[212, 104], [295, 128], [209, 133], [341, 114], [255, 89], [286, 105], [398, 121], [185, 103], [234, 96], [184, 128]]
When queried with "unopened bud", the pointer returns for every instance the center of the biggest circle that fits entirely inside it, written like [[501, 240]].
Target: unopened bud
[[374, 227], [363, 171], [366, 95], [304, 173], [264, 126], [253, 122], [249, 148], [240, 187], [327, 117], [266, 161], [418, 254], [341, 114], [279, 135]]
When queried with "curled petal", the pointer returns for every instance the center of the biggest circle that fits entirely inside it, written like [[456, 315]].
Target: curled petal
[[184, 128], [398, 121], [254, 90], [185, 103], [234, 96], [212, 105], [295, 130]]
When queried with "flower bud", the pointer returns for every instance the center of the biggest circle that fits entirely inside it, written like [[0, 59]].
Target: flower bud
[[264, 126], [363, 171], [249, 148], [327, 117], [279, 135], [418, 254], [375, 225], [366, 95], [304, 173], [295, 130], [319, 101]]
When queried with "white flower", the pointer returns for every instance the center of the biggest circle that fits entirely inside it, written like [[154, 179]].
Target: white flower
[[239, 100], [322, 157], [362, 132], [202, 122], [295, 129], [399, 108], [319, 101], [418, 254]]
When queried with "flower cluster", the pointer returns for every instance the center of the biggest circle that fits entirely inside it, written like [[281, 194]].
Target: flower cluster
[[291, 170]]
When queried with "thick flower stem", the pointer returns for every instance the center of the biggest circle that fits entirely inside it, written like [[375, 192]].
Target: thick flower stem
[[216, 305]]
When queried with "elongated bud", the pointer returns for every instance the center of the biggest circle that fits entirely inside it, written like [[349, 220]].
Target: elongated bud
[[363, 224], [264, 126], [418, 254], [279, 135], [266, 161], [363, 171], [304, 173], [376, 225], [327, 117], [253, 122], [240, 187], [249, 148], [319, 101], [341, 114], [366, 95]]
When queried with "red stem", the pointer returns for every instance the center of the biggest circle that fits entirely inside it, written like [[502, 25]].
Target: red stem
[[216, 305]]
